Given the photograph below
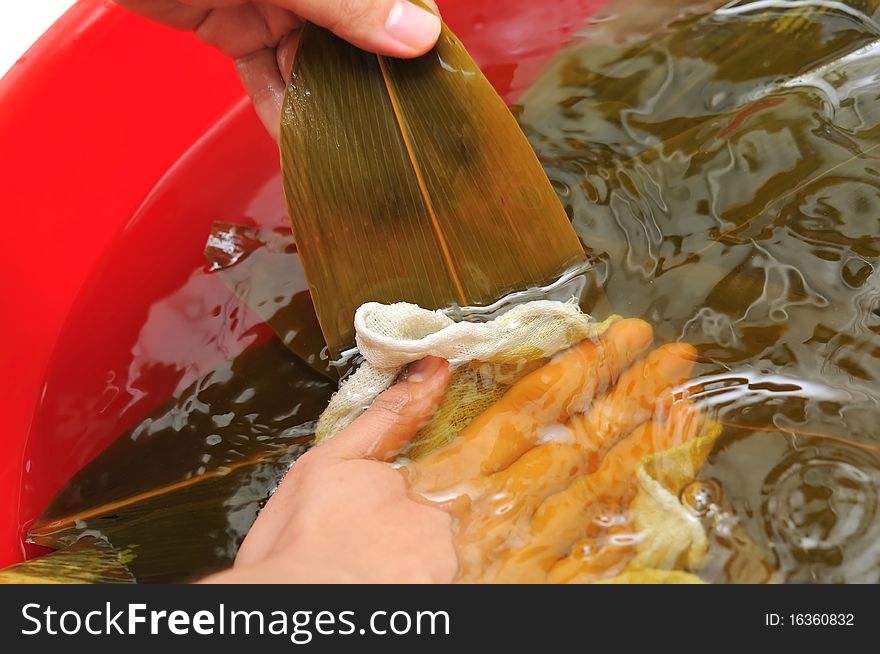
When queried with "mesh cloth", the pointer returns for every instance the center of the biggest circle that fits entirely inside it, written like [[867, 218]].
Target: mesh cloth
[[488, 358]]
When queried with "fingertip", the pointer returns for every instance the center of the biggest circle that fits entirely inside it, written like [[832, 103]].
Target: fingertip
[[626, 340], [414, 29], [398, 28], [632, 334], [261, 78], [425, 381], [672, 362]]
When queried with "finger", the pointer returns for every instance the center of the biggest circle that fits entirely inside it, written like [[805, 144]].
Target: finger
[[509, 428], [568, 383], [562, 518], [590, 561], [507, 500], [634, 398], [261, 78], [286, 53], [389, 27], [246, 27], [614, 481], [364, 438], [395, 415]]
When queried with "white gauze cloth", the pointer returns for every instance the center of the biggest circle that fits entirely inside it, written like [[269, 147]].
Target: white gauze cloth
[[391, 336]]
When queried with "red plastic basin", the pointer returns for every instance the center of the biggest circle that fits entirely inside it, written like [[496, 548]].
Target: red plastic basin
[[122, 141]]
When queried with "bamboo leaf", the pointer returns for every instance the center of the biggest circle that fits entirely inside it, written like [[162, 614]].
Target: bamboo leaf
[[410, 180], [634, 91], [184, 531], [88, 561]]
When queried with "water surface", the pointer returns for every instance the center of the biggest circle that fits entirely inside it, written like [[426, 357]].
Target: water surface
[[723, 169]]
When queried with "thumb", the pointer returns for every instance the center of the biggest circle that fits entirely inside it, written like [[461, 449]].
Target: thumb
[[398, 28], [395, 416]]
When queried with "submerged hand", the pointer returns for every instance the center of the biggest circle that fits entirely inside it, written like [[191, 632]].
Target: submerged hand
[[262, 36], [518, 496], [538, 477]]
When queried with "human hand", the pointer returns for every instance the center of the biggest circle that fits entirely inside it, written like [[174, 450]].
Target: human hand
[[539, 484], [520, 495], [261, 36], [343, 513]]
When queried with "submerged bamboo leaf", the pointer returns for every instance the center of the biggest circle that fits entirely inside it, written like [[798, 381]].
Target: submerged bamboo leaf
[[184, 531], [410, 180], [181, 489], [676, 155], [726, 168], [633, 92], [88, 561]]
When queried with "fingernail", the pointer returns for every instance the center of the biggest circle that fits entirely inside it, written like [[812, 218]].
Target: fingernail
[[412, 26], [425, 369]]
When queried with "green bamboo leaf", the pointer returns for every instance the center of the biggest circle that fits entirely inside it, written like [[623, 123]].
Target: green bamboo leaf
[[634, 90], [409, 180], [88, 561]]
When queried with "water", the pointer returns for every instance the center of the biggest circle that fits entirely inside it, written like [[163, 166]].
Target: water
[[179, 491], [723, 171]]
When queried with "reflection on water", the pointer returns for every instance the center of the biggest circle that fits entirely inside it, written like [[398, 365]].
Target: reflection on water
[[724, 170]]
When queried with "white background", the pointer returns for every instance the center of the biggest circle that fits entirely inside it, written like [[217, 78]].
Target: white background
[[22, 22]]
